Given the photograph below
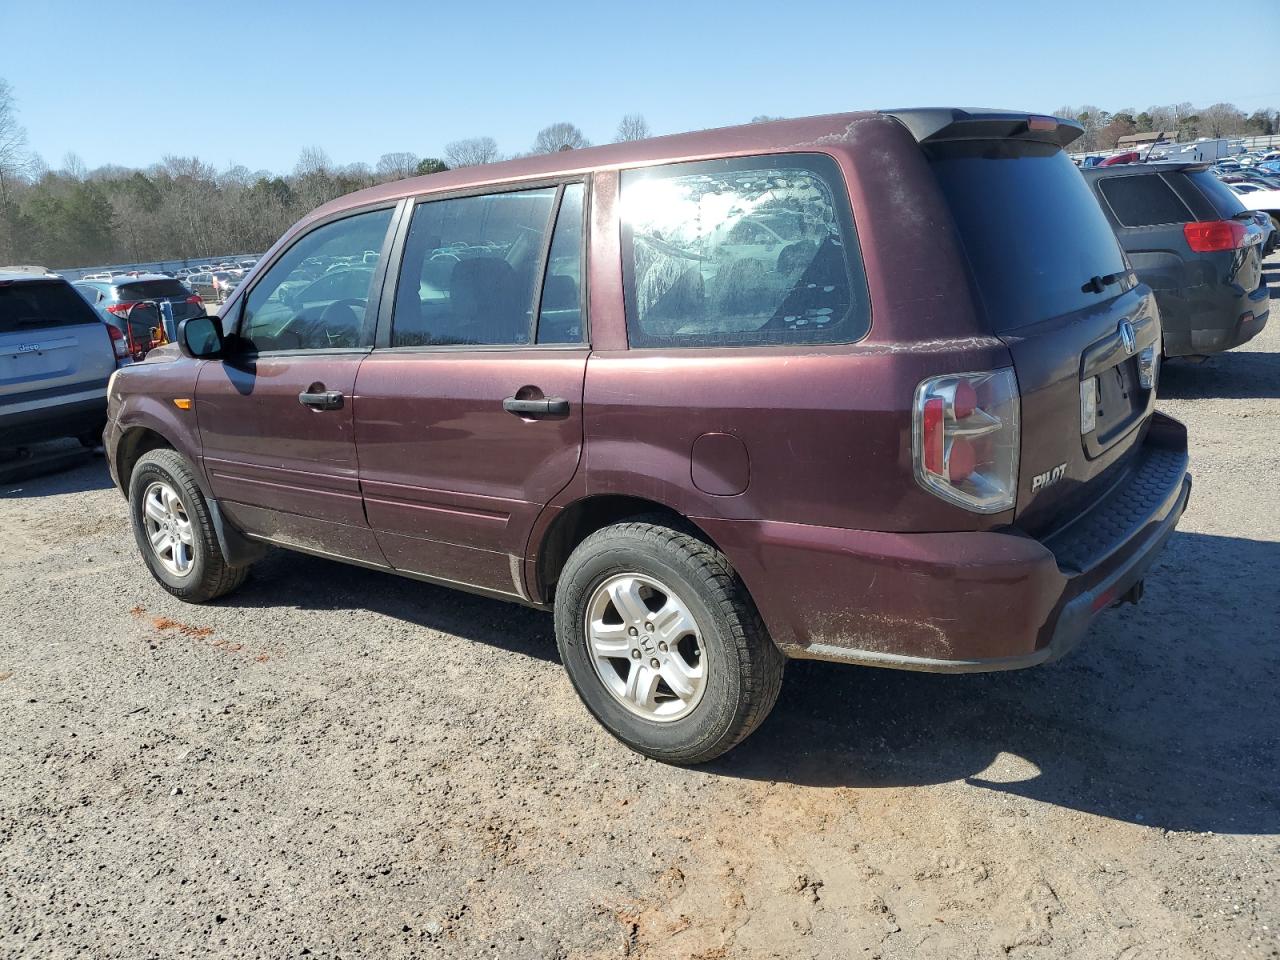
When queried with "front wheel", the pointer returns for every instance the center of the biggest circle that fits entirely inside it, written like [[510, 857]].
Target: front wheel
[[174, 531], [662, 642]]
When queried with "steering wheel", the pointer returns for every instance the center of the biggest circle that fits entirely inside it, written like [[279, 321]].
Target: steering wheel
[[345, 336]]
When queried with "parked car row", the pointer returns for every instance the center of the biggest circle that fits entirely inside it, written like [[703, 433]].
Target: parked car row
[[633, 418]]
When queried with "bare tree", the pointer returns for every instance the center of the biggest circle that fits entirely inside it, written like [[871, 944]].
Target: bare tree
[[312, 161], [13, 143], [471, 152], [74, 167], [1222, 119], [765, 118], [396, 166], [633, 126], [559, 136]]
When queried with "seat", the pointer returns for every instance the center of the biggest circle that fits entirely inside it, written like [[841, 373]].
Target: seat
[[744, 290], [484, 304]]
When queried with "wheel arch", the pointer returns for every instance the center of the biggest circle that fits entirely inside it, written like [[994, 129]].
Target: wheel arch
[[136, 441], [575, 521]]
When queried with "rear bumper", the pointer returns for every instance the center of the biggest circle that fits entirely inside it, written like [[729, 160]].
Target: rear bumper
[[1217, 321], [25, 423], [961, 602]]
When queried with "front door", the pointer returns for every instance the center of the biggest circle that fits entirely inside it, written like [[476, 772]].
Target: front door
[[470, 413], [277, 415]]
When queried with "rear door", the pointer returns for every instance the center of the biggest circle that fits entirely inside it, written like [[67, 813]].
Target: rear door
[[469, 412], [277, 415], [54, 349], [1050, 274]]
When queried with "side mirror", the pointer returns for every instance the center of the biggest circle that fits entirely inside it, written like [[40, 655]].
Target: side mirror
[[200, 338]]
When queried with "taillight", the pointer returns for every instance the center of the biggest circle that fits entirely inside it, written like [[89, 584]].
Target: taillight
[[195, 298], [117, 341], [121, 309], [965, 439], [1215, 236]]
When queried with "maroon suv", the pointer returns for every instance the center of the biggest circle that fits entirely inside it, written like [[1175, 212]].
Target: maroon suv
[[876, 388]]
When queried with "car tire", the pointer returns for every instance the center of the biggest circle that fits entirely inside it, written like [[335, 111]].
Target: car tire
[[187, 562], [719, 651]]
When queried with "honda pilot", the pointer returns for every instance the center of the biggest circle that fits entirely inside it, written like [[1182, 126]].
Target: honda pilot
[[875, 388]]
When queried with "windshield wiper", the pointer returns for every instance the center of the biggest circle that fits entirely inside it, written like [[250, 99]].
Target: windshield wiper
[[1098, 284]]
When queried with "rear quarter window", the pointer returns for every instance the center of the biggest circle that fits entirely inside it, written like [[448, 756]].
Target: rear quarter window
[[42, 304], [1225, 203], [756, 251], [1143, 200]]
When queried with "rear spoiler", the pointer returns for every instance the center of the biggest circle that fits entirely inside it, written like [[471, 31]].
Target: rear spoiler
[[936, 124]]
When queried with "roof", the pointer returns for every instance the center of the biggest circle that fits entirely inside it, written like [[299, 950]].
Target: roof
[[803, 133], [10, 274], [774, 135]]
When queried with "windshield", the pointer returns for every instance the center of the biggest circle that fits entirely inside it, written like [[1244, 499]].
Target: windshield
[[1033, 231]]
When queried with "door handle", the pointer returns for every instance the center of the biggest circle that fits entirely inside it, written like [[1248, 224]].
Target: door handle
[[546, 407], [322, 399]]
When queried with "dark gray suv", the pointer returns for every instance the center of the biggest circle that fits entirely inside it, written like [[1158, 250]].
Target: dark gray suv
[[1191, 240]]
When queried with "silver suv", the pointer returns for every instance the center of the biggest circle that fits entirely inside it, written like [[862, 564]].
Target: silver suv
[[56, 356]]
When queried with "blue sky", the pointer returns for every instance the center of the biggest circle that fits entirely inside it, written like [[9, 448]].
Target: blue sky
[[254, 83]]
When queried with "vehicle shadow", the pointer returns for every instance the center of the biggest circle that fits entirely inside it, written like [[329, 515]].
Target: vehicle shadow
[[1165, 716], [296, 580], [52, 470], [1237, 374]]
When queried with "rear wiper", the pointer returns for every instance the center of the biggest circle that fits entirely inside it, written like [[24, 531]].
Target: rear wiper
[[1098, 284]]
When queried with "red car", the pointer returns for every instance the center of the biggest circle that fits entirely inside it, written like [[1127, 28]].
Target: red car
[[876, 388]]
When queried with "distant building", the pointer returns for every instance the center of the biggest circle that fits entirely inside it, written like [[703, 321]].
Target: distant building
[[1135, 140]]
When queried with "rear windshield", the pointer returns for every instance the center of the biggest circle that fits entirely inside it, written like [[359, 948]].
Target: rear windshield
[[1034, 234], [37, 305], [1217, 193], [152, 290]]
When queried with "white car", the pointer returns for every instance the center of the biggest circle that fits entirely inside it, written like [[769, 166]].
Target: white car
[[1255, 196]]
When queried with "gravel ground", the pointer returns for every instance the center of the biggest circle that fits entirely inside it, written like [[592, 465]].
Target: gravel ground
[[339, 763]]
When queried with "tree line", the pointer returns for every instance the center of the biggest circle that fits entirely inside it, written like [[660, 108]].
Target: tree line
[[183, 208], [1178, 121]]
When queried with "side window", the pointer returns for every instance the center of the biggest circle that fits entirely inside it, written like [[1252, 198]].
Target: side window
[[560, 316], [471, 269], [315, 296], [747, 252], [1143, 200]]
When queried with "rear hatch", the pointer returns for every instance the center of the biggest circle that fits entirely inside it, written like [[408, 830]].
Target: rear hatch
[[182, 301], [1053, 283], [50, 341], [1241, 267]]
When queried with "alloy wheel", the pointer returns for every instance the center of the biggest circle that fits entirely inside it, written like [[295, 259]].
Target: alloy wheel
[[168, 528], [646, 647]]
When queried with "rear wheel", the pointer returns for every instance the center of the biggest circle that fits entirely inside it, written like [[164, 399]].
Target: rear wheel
[[663, 643], [175, 534]]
